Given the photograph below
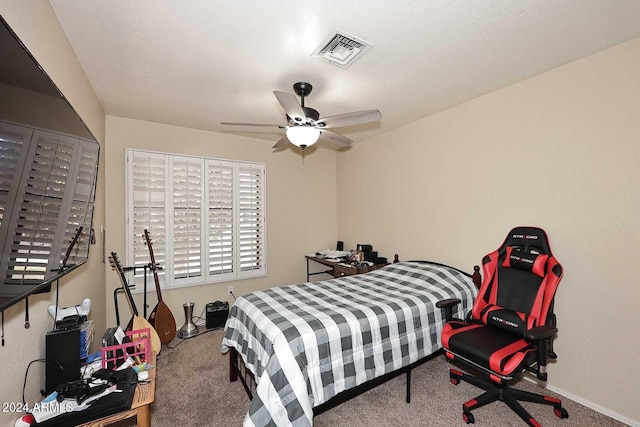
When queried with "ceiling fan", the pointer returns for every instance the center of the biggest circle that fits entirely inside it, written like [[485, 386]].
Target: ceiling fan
[[305, 126]]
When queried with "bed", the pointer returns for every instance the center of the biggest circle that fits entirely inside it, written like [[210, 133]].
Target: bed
[[306, 343]]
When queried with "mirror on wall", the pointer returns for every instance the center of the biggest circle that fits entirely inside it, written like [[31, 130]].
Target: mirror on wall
[[48, 172]]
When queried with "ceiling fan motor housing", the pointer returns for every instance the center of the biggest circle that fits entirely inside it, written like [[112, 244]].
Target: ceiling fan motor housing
[[302, 89], [311, 114]]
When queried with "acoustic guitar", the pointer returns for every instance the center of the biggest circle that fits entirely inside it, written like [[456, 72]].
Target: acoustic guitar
[[137, 321], [161, 317]]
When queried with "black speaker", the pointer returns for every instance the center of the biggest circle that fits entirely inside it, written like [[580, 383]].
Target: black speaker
[[371, 256], [217, 313], [340, 246], [62, 357]]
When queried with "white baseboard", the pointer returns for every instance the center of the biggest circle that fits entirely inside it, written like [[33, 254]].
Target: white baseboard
[[584, 402]]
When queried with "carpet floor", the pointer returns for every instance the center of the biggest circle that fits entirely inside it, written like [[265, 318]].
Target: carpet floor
[[192, 389]]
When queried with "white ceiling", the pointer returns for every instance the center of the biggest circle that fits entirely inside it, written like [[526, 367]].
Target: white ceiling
[[199, 62]]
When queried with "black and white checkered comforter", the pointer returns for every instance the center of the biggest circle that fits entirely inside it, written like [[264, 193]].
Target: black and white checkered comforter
[[306, 343]]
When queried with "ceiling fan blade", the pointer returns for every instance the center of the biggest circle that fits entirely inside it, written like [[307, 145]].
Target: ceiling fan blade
[[349, 119], [251, 124], [282, 142], [336, 138], [290, 105]]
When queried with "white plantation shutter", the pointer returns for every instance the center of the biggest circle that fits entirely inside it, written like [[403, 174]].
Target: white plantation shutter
[[186, 174], [33, 235], [251, 219], [147, 186], [14, 144], [206, 216], [81, 209], [220, 217]]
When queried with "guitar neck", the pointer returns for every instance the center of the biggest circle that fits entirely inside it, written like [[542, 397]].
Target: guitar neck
[[154, 267], [157, 280], [123, 280], [70, 248]]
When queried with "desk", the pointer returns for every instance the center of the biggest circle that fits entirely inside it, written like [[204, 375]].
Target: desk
[[142, 398], [338, 269]]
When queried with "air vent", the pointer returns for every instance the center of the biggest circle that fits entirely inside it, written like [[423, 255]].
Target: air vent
[[341, 49]]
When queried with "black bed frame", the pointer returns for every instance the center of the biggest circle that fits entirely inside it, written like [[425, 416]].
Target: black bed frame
[[237, 370]]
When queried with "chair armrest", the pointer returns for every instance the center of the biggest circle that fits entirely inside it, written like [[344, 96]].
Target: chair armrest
[[448, 302], [448, 305], [540, 332], [541, 335]]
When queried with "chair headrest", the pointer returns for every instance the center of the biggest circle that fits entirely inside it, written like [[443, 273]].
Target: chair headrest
[[530, 240], [535, 263]]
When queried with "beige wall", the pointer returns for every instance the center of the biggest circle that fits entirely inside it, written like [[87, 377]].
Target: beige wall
[[301, 205], [36, 25], [560, 151]]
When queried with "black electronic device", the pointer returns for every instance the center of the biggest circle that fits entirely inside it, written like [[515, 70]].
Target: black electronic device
[[70, 322], [42, 122], [81, 390], [371, 256], [63, 357], [109, 339], [340, 245], [216, 314], [365, 248]]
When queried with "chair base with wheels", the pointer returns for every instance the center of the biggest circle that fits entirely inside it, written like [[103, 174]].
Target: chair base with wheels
[[509, 396]]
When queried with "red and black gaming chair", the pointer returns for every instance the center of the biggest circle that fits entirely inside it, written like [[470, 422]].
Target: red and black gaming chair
[[511, 324]]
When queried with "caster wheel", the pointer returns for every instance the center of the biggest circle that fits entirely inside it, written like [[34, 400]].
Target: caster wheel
[[454, 381], [561, 413], [468, 418]]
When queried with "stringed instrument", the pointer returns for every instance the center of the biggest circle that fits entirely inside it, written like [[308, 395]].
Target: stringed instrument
[[161, 317], [67, 254], [137, 321]]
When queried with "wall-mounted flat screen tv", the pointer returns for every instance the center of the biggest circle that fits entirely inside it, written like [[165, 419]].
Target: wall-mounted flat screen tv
[[48, 172]]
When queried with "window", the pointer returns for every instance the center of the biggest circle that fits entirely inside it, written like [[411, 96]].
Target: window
[[206, 218]]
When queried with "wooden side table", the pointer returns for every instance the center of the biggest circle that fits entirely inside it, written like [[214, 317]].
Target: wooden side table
[[337, 269], [322, 261], [341, 270], [142, 399]]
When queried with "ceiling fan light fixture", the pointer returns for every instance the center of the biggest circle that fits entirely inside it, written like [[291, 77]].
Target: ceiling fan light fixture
[[302, 136]]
